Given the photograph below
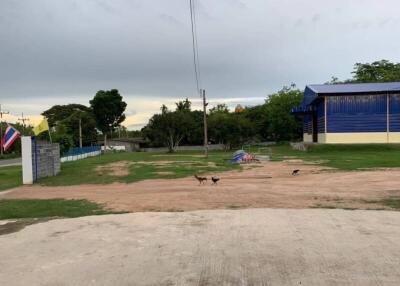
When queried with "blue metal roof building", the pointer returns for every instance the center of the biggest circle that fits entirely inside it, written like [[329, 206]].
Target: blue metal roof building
[[351, 113]]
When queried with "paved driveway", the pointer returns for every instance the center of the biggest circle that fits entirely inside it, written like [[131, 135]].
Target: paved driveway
[[10, 162], [220, 247]]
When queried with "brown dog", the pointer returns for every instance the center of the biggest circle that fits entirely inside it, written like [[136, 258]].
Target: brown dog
[[201, 179]]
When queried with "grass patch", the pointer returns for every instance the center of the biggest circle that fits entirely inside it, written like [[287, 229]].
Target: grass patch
[[141, 166], [10, 177], [15, 209], [84, 171], [344, 156], [393, 202], [8, 156]]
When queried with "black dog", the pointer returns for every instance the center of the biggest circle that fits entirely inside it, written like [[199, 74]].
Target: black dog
[[295, 172], [215, 180]]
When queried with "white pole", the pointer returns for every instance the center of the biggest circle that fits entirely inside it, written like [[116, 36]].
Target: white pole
[[27, 167]]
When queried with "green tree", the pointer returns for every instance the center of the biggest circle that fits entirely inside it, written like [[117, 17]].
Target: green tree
[[184, 105], [58, 113], [62, 137], [378, 71], [282, 125], [230, 129], [258, 116], [108, 109], [219, 108], [69, 115], [88, 125], [169, 128]]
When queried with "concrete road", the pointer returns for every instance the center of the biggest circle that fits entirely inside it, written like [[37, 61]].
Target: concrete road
[[10, 162], [242, 247]]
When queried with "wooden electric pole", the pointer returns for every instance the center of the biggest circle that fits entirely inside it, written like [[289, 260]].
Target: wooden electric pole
[[80, 132], [1, 129], [23, 119], [203, 93]]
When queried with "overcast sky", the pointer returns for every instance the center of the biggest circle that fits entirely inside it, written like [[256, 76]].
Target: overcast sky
[[63, 51]]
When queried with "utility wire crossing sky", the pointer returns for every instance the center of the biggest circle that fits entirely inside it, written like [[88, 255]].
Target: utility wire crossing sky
[[63, 51]]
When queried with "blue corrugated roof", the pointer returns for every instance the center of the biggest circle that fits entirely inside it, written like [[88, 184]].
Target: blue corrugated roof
[[355, 87], [312, 91]]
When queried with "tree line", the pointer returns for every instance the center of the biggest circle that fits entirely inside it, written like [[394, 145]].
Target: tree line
[[271, 120], [105, 114]]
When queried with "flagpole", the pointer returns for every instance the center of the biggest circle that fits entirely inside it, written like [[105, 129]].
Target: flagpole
[[1, 129], [51, 141]]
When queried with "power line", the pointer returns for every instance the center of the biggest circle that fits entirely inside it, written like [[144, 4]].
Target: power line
[[23, 119], [195, 47], [196, 63]]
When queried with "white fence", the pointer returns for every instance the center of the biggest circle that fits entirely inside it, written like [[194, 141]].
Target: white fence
[[80, 156]]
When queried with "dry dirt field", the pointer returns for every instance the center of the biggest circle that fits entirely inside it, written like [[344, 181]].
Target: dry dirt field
[[267, 185]]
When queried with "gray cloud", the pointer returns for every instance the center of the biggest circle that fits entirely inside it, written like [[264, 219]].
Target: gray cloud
[[55, 51], [171, 20]]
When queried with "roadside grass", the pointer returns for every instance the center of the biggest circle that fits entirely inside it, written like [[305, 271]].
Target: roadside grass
[[8, 156], [343, 157], [392, 202], [389, 203], [142, 166], [10, 177], [16, 209]]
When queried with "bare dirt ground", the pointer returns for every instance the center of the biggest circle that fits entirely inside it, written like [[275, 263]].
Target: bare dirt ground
[[256, 247], [268, 185], [117, 169]]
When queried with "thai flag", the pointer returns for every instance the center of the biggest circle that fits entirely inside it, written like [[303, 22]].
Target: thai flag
[[10, 136]]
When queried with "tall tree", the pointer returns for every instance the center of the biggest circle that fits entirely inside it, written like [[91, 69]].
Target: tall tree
[[378, 71], [60, 112], [168, 129], [184, 105], [282, 124], [219, 108], [230, 129], [68, 116], [108, 109], [88, 125], [258, 116]]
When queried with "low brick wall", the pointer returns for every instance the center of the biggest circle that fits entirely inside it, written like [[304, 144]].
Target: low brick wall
[[45, 159]]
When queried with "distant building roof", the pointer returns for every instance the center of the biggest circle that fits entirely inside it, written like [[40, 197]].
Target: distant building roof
[[355, 87], [312, 91]]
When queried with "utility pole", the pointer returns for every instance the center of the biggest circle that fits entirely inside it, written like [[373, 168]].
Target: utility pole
[[203, 93], [23, 119], [80, 131], [78, 112], [1, 129]]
